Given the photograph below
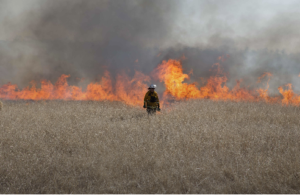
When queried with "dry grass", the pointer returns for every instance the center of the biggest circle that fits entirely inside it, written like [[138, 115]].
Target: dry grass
[[101, 147]]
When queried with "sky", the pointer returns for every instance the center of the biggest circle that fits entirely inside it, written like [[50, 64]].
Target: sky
[[42, 39]]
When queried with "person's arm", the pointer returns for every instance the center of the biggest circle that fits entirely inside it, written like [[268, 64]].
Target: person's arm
[[145, 101]]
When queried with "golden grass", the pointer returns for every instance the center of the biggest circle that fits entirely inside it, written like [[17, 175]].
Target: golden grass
[[107, 147]]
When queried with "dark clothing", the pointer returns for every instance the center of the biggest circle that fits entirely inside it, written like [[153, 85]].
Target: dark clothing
[[151, 100]]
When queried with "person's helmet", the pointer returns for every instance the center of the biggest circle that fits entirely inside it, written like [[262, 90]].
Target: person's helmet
[[152, 86]]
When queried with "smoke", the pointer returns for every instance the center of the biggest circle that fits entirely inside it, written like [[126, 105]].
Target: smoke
[[44, 39], [240, 65], [82, 38]]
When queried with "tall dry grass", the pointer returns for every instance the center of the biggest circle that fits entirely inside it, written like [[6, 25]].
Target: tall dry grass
[[102, 147]]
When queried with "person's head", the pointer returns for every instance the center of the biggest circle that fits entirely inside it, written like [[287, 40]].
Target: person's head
[[152, 87]]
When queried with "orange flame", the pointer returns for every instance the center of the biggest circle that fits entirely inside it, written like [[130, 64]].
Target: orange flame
[[171, 73], [289, 97], [132, 90], [263, 93]]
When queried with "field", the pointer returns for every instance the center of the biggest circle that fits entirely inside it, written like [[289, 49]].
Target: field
[[197, 146]]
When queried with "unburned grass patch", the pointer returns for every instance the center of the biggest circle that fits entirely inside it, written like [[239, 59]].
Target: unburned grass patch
[[198, 146]]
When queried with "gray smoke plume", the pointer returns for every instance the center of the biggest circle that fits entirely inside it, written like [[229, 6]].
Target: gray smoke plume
[[81, 38], [44, 39]]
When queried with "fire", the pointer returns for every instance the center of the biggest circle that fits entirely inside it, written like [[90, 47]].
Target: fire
[[263, 93], [289, 97], [170, 72], [132, 90]]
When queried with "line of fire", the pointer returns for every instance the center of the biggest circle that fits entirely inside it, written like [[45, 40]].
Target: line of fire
[[131, 90]]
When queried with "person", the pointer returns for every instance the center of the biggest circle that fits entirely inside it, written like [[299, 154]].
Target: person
[[151, 100]]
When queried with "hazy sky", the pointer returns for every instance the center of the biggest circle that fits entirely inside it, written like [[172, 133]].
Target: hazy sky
[[272, 24], [42, 39]]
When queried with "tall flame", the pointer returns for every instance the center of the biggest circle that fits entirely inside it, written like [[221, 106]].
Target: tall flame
[[171, 73], [132, 90]]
